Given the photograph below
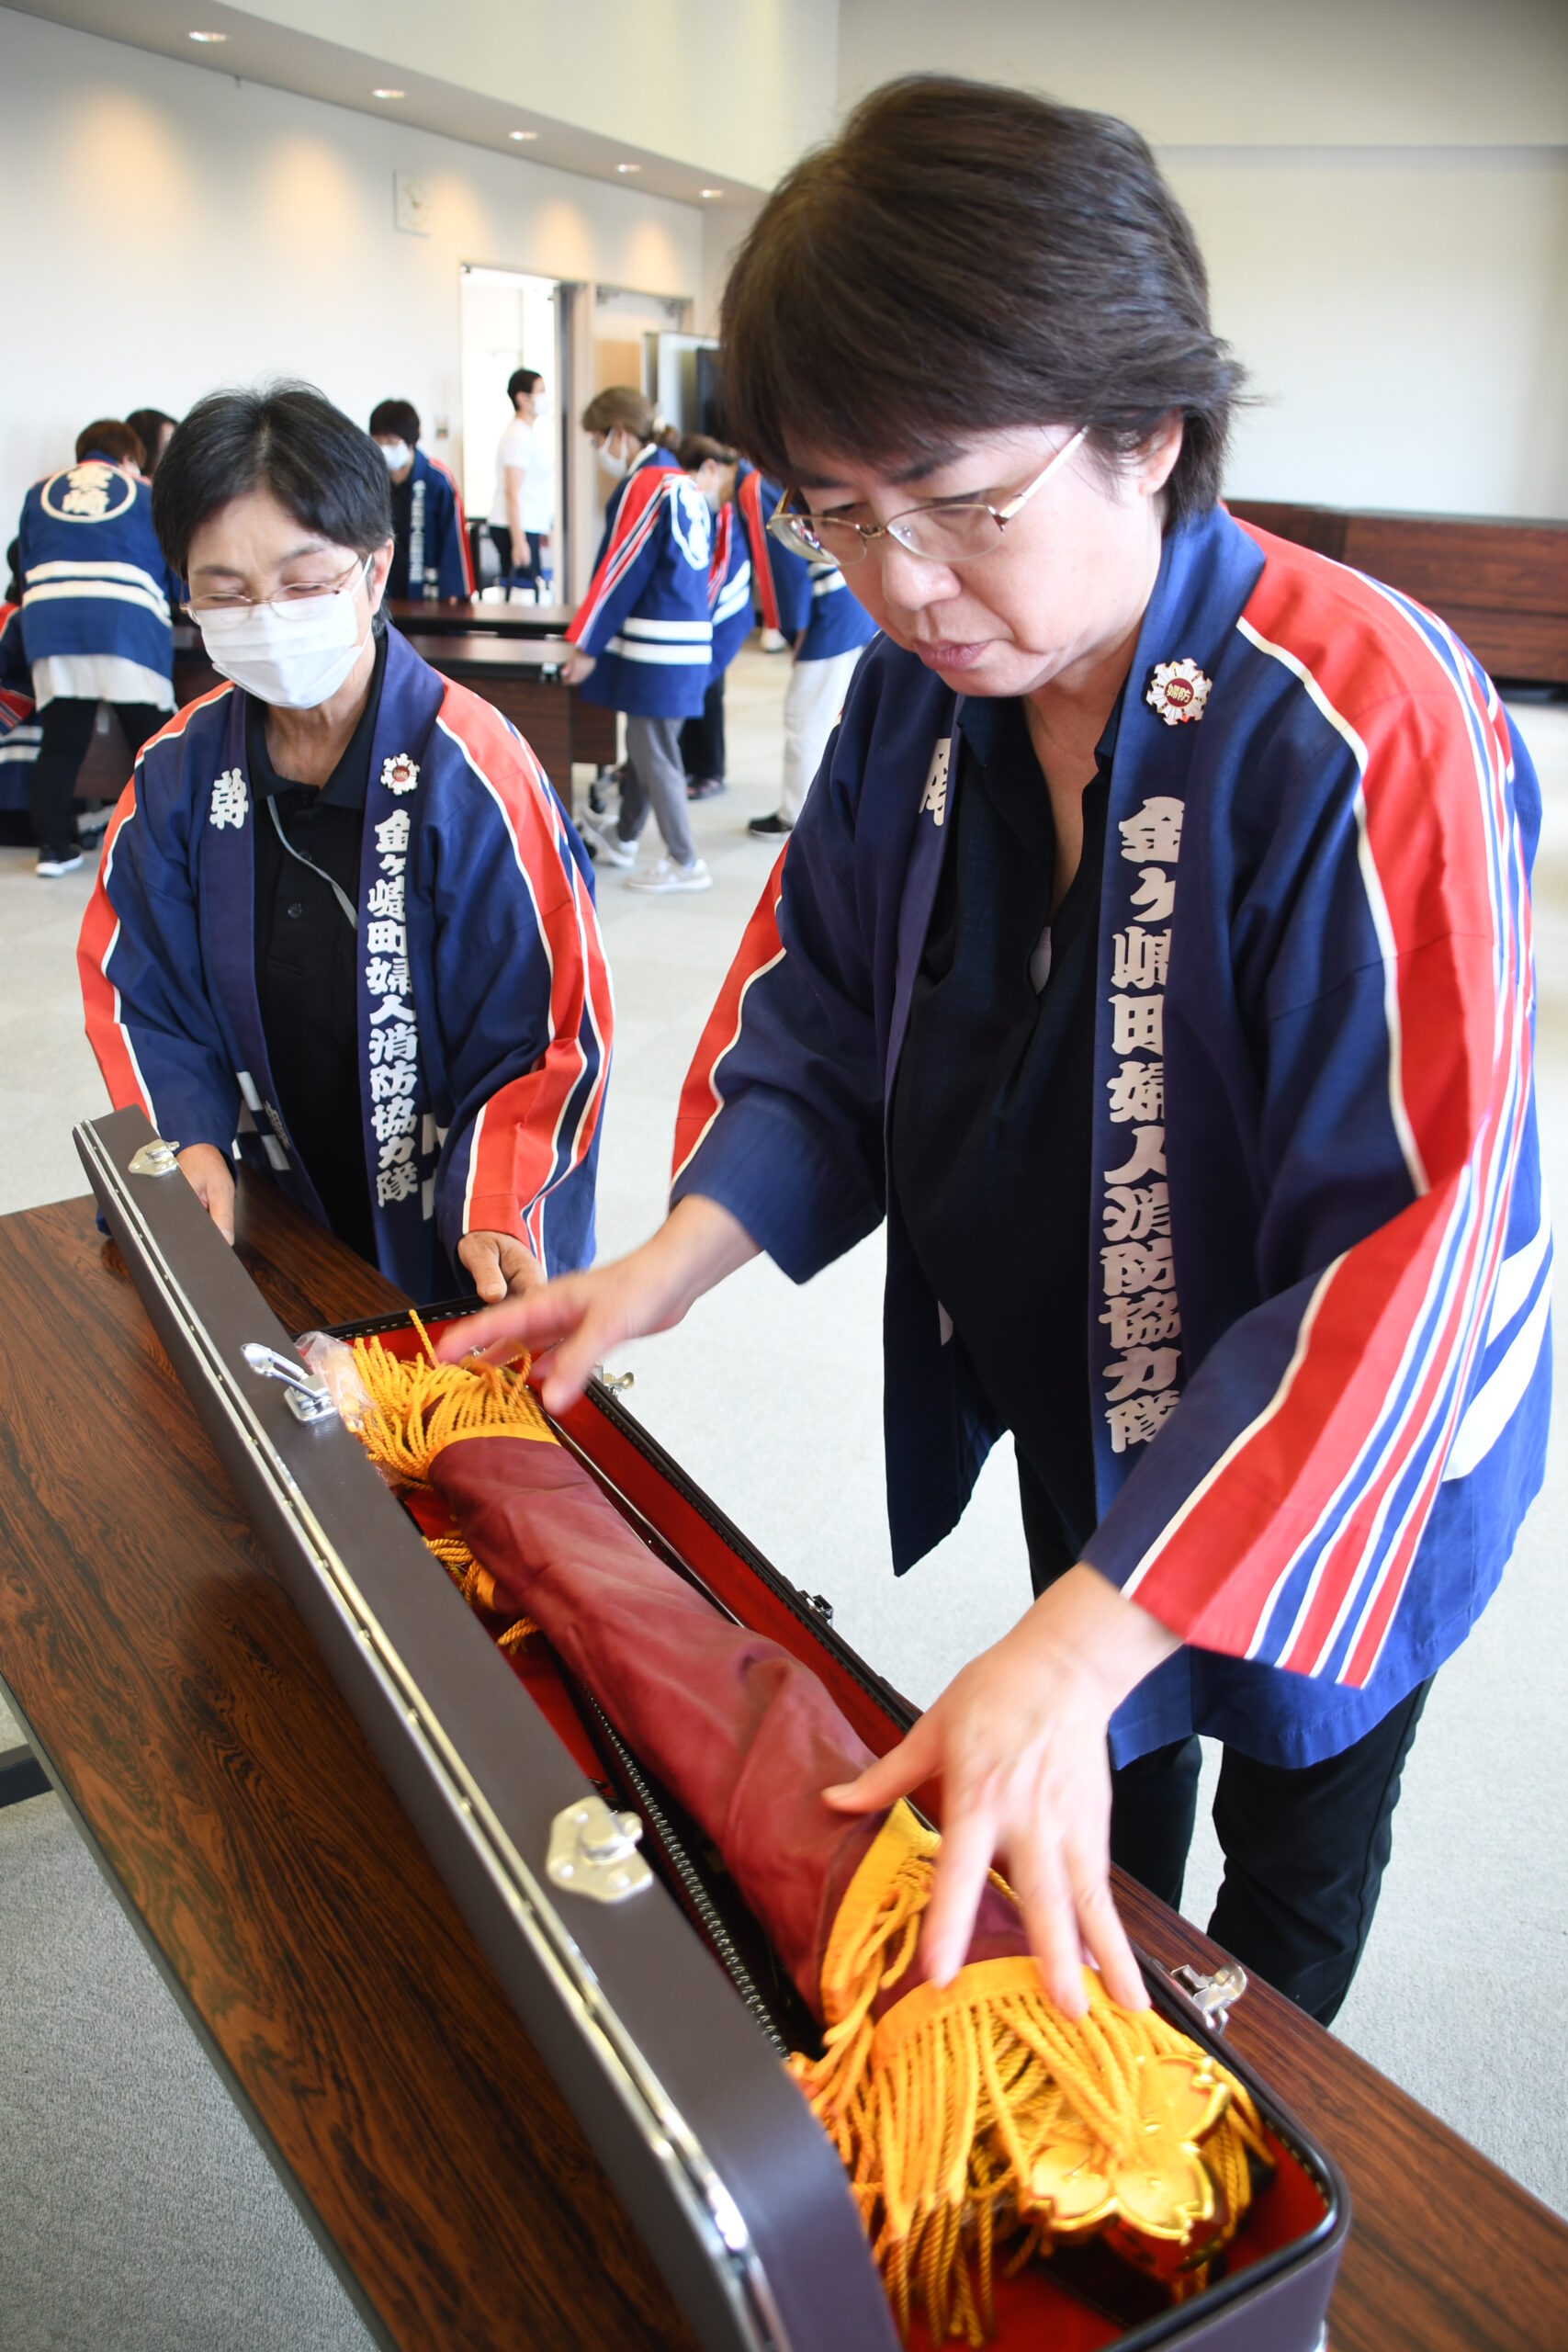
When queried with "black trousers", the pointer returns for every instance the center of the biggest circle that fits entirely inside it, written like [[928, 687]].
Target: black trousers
[[1305, 1849], [528, 574], [702, 739], [67, 723]]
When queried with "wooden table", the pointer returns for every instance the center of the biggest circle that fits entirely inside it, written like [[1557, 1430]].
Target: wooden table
[[508, 672], [181, 1710]]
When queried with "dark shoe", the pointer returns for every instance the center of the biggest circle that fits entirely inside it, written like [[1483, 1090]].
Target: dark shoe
[[770, 828], [49, 869], [703, 787]]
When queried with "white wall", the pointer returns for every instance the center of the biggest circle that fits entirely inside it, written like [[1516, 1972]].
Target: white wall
[[1381, 190], [171, 231], [1403, 316]]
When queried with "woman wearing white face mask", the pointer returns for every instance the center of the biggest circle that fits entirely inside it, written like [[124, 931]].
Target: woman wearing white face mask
[[344, 929], [643, 634]]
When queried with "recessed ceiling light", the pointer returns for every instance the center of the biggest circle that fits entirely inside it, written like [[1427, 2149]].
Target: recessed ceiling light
[[628, 167], [713, 191], [388, 93], [521, 134], [208, 35]]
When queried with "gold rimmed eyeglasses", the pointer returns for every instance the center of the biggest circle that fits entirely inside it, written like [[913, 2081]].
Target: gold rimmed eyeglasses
[[954, 531]]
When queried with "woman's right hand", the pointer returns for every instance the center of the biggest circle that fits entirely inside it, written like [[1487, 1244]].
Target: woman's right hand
[[211, 1178], [571, 1325]]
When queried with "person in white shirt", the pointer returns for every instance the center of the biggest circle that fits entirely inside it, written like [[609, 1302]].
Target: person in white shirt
[[523, 511]]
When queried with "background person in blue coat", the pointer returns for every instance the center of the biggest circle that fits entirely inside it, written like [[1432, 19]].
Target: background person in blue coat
[[431, 556], [342, 929], [643, 635], [96, 619], [1152, 956], [831, 631], [744, 573], [19, 730]]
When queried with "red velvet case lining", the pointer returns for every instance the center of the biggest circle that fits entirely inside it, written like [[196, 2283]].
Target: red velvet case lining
[[1035, 2308]]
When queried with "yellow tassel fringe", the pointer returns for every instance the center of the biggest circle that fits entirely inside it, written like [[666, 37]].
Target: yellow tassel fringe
[[976, 2114], [418, 1408]]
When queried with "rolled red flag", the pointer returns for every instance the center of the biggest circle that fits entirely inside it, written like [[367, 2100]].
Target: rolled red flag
[[968, 2115]]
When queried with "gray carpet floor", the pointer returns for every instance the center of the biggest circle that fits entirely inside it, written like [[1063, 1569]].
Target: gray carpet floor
[[135, 2211]]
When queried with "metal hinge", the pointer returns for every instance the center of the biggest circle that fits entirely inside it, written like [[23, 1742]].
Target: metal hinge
[[154, 1158], [308, 1397], [1214, 1994], [593, 1852]]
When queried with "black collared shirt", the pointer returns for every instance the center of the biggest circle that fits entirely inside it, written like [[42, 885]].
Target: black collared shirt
[[308, 961], [992, 1136]]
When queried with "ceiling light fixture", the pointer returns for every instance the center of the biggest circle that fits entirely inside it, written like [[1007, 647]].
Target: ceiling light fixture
[[388, 93], [628, 167], [208, 35], [521, 134], [713, 191]]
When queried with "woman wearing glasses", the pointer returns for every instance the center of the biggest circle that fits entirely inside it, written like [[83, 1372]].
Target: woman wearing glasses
[[343, 927], [1153, 955]]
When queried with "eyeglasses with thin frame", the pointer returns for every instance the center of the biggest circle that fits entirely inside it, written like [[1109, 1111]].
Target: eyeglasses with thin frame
[[955, 531], [297, 592]]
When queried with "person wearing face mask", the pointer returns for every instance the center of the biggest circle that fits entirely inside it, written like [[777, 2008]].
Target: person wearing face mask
[[643, 635], [746, 566], [96, 601], [1152, 956], [343, 930], [431, 556]]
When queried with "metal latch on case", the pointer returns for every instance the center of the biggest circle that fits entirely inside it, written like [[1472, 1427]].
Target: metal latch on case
[[593, 1852], [308, 1397], [154, 1158], [1214, 1994]]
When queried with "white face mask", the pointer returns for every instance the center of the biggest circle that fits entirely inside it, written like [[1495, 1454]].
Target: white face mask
[[397, 454], [611, 461], [293, 655]]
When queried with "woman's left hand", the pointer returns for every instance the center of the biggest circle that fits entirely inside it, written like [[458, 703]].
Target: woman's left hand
[[1018, 1741], [501, 1266], [577, 666]]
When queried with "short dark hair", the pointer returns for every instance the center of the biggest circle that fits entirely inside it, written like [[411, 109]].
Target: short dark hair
[[399, 418], [964, 258], [523, 379], [288, 439], [107, 436], [147, 423]]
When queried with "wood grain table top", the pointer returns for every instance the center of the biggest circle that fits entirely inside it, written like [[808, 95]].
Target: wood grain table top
[[230, 1796]]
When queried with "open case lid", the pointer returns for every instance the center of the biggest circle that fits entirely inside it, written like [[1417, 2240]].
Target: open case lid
[[736, 2191]]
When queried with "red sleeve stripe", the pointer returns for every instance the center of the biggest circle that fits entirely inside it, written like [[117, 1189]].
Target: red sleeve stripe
[[106, 1033], [1345, 1459], [761, 948], [522, 1146], [441, 467], [1381, 1540], [751, 502], [634, 518]]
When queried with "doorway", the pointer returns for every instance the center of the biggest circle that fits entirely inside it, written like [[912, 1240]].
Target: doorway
[[508, 320]]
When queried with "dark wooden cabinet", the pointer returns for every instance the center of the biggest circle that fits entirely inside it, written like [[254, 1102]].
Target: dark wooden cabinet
[[1502, 587]]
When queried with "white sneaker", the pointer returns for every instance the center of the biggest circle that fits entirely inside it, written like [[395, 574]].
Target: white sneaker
[[667, 876], [49, 867], [609, 844]]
